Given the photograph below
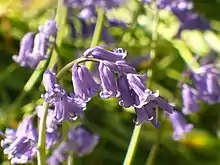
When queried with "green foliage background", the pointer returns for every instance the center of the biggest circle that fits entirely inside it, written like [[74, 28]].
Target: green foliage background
[[107, 118]]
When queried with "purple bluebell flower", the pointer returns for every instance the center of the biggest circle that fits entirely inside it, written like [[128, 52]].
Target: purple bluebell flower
[[23, 147], [52, 138], [180, 127], [26, 46], [142, 94], [213, 87], [83, 83], [49, 29], [9, 137], [103, 54], [189, 96], [53, 90], [82, 141], [148, 111], [39, 51], [59, 155], [68, 108], [108, 82], [51, 124], [126, 98]]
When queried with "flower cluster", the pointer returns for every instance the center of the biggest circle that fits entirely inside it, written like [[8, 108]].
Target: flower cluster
[[207, 89], [80, 141], [33, 48], [20, 144], [117, 79], [183, 10]]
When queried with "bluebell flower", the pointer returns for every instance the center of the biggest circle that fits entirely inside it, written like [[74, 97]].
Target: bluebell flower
[[142, 94], [83, 83], [53, 90], [82, 141], [125, 99], [180, 127], [49, 29], [68, 108], [23, 147], [103, 54], [189, 96], [52, 138], [39, 51], [10, 136], [108, 82], [53, 134], [59, 155], [148, 112], [26, 46], [207, 84]]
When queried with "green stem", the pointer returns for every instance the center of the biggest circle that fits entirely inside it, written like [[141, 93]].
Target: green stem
[[98, 27], [60, 20], [41, 154], [97, 32], [154, 149], [132, 146]]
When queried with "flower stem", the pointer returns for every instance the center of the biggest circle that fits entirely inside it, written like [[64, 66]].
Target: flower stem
[[41, 154], [98, 27], [97, 32], [154, 149], [132, 145], [60, 20]]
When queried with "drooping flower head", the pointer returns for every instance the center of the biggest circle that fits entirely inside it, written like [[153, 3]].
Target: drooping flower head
[[83, 83], [23, 147], [189, 96], [53, 90], [180, 127], [82, 141], [26, 46], [108, 82]]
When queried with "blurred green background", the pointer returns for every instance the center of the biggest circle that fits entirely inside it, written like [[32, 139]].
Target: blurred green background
[[113, 123]]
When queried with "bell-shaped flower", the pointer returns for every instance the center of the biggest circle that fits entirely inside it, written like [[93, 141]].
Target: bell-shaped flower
[[125, 99], [189, 96], [59, 155], [103, 54], [83, 83], [108, 82], [52, 138], [23, 148], [53, 90], [147, 113], [26, 46], [180, 127], [39, 52], [142, 94], [82, 141], [68, 108], [49, 28]]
